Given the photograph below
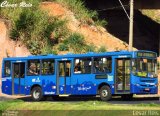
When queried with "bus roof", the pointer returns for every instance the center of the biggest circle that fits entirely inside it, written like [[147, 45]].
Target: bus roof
[[70, 55]]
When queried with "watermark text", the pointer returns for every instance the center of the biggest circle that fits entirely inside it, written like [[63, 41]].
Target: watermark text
[[6, 4]]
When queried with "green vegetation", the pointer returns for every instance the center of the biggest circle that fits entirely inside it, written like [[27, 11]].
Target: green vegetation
[[35, 28], [82, 105], [76, 43], [102, 49], [82, 13], [90, 48], [63, 47], [43, 34], [153, 14]]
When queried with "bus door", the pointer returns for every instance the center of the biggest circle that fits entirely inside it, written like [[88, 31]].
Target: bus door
[[18, 78], [122, 75], [64, 77]]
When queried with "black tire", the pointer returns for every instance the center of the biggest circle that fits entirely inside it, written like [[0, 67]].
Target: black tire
[[105, 93], [36, 94], [127, 97]]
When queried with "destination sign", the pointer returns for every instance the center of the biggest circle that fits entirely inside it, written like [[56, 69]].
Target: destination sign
[[146, 54]]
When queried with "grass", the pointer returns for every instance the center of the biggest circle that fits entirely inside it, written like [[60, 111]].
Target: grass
[[41, 33], [83, 14], [153, 14], [78, 108], [81, 105], [35, 28]]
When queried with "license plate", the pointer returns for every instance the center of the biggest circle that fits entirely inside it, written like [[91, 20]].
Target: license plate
[[146, 89]]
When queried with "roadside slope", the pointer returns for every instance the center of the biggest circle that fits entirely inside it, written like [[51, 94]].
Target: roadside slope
[[9, 48], [97, 36]]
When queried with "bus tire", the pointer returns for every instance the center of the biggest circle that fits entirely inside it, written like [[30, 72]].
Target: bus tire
[[36, 94], [105, 93]]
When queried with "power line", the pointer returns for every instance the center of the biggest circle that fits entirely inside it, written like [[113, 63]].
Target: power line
[[124, 9], [112, 8]]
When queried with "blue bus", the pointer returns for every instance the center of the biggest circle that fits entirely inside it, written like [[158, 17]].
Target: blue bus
[[121, 73]]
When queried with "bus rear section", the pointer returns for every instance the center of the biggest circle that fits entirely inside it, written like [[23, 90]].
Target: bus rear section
[[13, 77]]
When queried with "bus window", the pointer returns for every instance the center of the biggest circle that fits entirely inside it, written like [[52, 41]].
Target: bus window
[[65, 69], [19, 71], [142, 67], [33, 67], [102, 65], [16, 70], [7, 68], [68, 69], [83, 66], [61, 69], [47, 67]]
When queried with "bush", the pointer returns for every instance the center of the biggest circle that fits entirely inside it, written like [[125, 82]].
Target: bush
[[40, 32], [76, 43], [90, 48], [35, 28], [48, 50], [81, 12], [56, 29], [78, 7], [63, 47], [102, 49]]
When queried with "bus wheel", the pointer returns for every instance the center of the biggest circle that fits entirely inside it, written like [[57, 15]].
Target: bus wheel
[[36, 94], [105, 93]]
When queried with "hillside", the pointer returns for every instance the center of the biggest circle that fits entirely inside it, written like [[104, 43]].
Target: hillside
[[95, 35], [9, 48], [153, 14], [21, 40], [60, 27]]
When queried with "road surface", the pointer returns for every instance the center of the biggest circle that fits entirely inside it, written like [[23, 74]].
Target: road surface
[[114, 100]]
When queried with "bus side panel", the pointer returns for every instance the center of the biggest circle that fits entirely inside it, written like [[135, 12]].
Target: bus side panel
[[31, 81], [49, 84], [82, 85], [7, 85], [88, 84]]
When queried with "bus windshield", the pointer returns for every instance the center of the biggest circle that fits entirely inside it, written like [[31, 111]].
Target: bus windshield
[[144, 67]]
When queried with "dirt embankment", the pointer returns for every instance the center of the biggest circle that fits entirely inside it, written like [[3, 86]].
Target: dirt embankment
[[97, 36], [8, 47]]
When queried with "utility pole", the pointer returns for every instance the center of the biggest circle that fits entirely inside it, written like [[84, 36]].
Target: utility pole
[[159, 40], [131, 25]]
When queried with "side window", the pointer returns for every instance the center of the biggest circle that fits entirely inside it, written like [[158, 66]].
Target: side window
[[68, 69], [65, 69], [47, 67], [83, 66], [102, 65], [61, 69], [7, 68], [33, 67]]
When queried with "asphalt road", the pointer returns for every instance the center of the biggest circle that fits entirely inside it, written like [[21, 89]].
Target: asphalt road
[[114, 100]]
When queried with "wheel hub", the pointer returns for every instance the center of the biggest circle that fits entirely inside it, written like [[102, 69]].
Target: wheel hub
[[36, 94], [104, 93]]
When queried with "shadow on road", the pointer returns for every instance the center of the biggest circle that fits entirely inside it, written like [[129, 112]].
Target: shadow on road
[[114, 100]]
